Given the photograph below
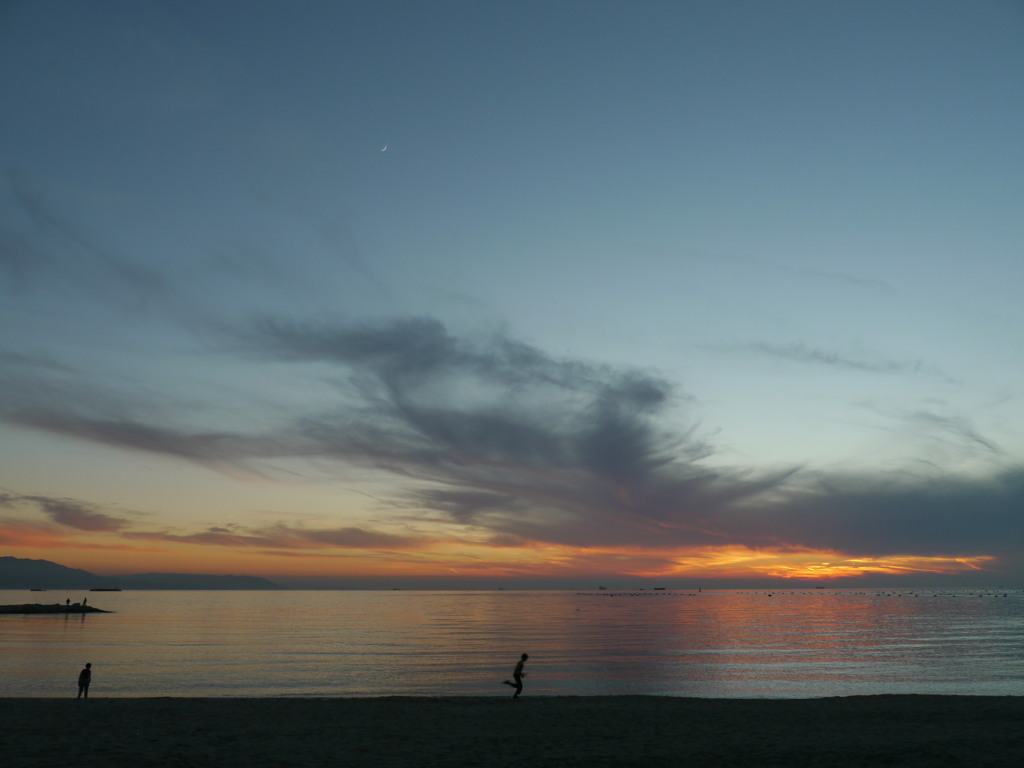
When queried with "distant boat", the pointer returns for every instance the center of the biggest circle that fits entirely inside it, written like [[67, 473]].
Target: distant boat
[[602, 587], [105, 589], [657, 589], [36, 589]]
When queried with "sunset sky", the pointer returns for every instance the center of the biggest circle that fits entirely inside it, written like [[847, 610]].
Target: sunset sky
[[514, 293]]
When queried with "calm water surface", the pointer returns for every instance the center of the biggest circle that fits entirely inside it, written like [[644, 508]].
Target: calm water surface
[[783, 644]]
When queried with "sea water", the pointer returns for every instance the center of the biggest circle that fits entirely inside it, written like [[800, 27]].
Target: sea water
[[780, 644]]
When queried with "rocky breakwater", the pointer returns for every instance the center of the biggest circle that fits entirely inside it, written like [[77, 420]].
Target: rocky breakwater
[[55, 608]]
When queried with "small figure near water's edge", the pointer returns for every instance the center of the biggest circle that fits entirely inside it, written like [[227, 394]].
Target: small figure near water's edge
[[84, 678], [518, 676]]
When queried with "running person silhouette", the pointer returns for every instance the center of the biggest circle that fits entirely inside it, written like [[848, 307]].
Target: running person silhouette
[[517, 675]]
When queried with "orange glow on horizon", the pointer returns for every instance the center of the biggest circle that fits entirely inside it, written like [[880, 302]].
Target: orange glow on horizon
[[896, 566], [356, 553]]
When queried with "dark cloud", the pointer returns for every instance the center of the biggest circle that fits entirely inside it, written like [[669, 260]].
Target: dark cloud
[[76, 516], [208, 448], [533, 448], [286, 537], [502, 445], [937, 516], [465, 506], [429, 402], [73, 514], [84, 516], [521, 444]]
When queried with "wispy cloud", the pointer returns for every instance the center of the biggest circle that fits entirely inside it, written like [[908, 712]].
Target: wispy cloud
[[957, 428], [778, 267], [209, 448], [803, 353], [12, 361], [41, 248], [940, 435], [68, 512], [19, 533], [49, 249]]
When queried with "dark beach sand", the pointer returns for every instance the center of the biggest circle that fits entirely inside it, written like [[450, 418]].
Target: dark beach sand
[[926, 731]]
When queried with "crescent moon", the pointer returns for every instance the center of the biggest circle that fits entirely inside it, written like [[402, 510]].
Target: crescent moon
[[384, 148]]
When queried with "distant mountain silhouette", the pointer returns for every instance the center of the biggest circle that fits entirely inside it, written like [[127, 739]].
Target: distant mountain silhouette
[[21, 573], [18, 573]]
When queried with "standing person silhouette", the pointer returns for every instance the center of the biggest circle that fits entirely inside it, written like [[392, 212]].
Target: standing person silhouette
[[517, 675], [84, 678]]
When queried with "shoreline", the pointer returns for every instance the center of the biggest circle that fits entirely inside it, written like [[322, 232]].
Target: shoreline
[[875, 730]]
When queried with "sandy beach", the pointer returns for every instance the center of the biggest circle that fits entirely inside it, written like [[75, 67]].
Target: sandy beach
[[923, 731]]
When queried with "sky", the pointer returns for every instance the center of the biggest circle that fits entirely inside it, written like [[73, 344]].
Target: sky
[[543, 294]]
